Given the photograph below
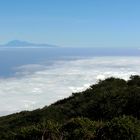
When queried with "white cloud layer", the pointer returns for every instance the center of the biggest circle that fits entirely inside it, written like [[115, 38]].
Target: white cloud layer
[[40, 85]]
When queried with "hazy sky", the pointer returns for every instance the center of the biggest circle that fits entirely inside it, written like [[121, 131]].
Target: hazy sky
[[86, 23]]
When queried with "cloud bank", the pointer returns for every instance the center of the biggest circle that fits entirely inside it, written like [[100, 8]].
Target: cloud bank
[[36, 85]]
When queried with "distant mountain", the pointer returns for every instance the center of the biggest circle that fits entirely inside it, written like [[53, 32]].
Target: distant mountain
[[19, 43]]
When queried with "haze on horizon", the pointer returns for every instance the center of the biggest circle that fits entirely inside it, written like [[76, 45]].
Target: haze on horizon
[[73, 23]]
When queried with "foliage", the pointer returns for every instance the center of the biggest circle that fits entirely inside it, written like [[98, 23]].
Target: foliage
[[121, 128], [80, 128]]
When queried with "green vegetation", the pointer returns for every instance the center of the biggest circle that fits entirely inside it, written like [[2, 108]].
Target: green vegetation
[[109, 110]]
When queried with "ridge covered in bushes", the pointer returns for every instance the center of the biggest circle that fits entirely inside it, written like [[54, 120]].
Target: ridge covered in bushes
[[108, 110]]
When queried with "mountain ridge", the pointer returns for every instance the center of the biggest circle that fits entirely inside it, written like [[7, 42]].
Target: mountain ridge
[[20, 43]]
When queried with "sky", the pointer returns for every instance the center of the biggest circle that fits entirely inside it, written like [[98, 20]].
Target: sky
[[72, 23]]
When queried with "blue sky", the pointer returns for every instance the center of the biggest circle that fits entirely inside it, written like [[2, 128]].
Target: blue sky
[[72, 23]]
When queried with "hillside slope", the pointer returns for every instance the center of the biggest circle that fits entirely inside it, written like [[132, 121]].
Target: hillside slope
[[109, 110]]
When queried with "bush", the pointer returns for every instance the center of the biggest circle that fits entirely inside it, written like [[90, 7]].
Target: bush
[[80, 129], [46, 130], [121, 128]]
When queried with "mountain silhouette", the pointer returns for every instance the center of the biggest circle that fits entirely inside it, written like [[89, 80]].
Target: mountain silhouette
[[19, 43]]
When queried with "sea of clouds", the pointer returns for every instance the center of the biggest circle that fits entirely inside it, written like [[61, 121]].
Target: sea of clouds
[[37, 85]]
